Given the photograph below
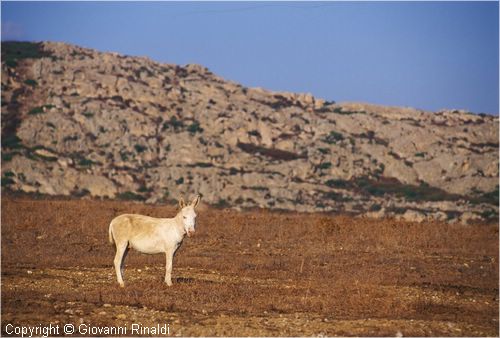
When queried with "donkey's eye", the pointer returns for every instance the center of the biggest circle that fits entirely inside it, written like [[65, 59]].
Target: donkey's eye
[[184, 217]]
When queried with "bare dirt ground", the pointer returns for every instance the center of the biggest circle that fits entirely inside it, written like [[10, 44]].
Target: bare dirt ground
[[250, 273]]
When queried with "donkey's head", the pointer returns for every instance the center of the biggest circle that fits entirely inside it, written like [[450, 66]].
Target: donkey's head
[[188, 215]]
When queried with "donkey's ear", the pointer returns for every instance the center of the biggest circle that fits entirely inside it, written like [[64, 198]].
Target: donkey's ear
[[195, 201], [182, 204]]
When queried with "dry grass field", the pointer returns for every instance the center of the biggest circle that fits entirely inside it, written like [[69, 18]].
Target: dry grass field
[[250, 273]]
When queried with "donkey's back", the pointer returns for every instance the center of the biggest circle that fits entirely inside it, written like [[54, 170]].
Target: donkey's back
[[128, 226]]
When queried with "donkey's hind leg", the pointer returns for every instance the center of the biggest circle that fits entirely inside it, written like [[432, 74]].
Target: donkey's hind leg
[[121, 248]]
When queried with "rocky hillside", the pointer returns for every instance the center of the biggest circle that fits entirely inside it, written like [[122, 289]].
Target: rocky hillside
[[76, 121]]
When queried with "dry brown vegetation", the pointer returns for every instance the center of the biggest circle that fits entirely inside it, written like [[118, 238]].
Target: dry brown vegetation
[[251, 273]]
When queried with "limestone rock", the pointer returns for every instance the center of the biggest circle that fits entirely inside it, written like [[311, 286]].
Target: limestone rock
[[107, 124]]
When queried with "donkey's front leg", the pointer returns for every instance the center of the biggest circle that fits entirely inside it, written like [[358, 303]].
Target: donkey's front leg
[[169, 254]]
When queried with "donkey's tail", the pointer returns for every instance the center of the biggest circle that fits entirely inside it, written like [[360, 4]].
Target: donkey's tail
[[111, 239]]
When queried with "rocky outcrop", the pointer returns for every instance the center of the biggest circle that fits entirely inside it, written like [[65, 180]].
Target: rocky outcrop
[[77, 121]]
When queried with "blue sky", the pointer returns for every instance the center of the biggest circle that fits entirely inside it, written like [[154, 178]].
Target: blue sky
[[427, 55]]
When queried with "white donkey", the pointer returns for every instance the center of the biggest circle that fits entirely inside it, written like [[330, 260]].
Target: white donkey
[[152, 235]]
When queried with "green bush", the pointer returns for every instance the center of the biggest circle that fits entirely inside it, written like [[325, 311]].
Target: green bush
[[144, 189], [6, 181], [11, 63], [203, 165], [9, 174], [341, 111], [83, 162], [489, 215], [340, 184], [11, 142], [36, 110], [333, 137], [70, 138], [6, 157], [254, 133], [173, 123], [222, 203], [325, 165], [195, 128], [331, 195], [41, 109], [7, 178], [140, 148], [487, 197], [124, 155], [31, 82]]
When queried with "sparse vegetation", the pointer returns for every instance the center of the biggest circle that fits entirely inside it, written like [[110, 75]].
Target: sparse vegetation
[[194, 128], [324, 165], [36, 110], [130, 196], [13, 51], [254, 133], [392, 186], [140, 148], [341, 111], [203, 165], [40, 110], [487, 197], [333, 137], [124, 155], [85, 162], [11, 142], [144, 189], [256, 188], [222, 203], [339, 184], [70, 138], [6, 157], [381, 186], [233, 171], [31, 82], [7, 181], [490, 215], [173, 123], [331, 195], [275, 154], [9, 174], [380, 170]]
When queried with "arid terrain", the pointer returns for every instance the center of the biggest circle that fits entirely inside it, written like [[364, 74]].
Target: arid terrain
[[250, 273]]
